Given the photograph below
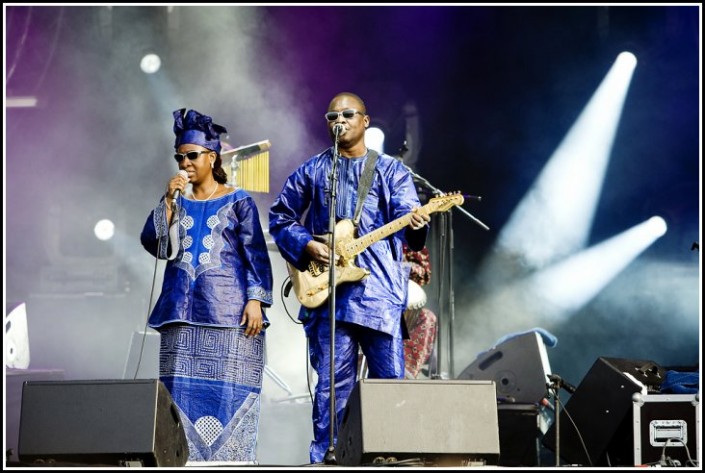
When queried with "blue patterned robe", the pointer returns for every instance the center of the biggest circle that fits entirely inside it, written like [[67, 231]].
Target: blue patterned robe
[[368, 313], [213, 372]]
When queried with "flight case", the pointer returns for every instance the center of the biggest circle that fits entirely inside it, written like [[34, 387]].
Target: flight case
[[666, 429]]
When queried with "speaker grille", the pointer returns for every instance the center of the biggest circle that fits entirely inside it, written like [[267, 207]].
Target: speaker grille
[[105, 422], [445, 422]]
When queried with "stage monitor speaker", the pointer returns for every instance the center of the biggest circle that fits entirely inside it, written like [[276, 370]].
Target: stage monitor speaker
[[437, 422], [599, 413], [103, 422], [518, 366]]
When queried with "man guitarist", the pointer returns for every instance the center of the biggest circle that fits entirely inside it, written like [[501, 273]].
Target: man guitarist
[[371, 297]]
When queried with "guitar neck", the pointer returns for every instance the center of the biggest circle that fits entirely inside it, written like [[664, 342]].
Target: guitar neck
[[360, 244], [437, 204], [384, 231]]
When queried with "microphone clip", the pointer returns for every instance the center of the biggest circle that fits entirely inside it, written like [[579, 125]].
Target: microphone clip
[[557, 383]]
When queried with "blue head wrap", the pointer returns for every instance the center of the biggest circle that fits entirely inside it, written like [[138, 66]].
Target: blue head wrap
[[195, 128]]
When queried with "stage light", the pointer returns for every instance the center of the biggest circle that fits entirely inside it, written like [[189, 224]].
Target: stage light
[[540, 270], [626, 61], [554, 294], [657, 226], [104, 229], [374, 139], [572, 283], [555, 217], [87, 236], [150, 63], [21, 102]]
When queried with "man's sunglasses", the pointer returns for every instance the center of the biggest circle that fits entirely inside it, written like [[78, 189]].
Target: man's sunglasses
[[191, 155], [347, 114]]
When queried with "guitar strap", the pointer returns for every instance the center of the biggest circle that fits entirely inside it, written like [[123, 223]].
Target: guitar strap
[[365, 182]]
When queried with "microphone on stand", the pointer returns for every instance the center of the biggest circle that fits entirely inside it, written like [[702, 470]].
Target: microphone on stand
[[569, 387], [561, 383], [338, 128]]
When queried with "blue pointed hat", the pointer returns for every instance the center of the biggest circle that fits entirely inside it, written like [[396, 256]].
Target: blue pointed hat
[[195, 128]]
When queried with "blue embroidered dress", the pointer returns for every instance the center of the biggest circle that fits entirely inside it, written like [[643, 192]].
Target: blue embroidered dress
[[212, 370]]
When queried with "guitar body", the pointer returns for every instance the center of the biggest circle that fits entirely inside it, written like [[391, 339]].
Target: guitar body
[[311, 289], [311, 285]]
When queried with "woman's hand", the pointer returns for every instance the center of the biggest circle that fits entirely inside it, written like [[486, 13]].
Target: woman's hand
[[252, 318], [178, 182]]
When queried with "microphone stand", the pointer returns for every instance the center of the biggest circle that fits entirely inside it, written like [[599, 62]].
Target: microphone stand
[[436, 191], [555, 385], [329, 458], [449, 228]]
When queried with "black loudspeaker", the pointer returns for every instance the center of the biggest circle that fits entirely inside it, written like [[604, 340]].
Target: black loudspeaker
[[105, 422], [521, 427], [599, 412], [438, 422], [14, 381], [518, 367]]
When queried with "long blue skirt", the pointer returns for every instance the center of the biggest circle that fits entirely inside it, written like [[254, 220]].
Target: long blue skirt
[[214, 376]]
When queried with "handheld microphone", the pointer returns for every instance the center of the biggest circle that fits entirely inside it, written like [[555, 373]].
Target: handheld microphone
[[177, 192], [338, 128]]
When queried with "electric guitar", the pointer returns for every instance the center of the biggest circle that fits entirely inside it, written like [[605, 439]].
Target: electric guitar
[[311, 285]]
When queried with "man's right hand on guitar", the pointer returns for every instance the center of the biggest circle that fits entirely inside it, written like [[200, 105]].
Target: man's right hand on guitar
[[318, 251]]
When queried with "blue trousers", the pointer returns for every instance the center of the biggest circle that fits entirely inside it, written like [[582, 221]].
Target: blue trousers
[[385, 359]]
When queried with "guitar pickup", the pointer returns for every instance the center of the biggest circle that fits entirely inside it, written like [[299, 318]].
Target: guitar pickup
[[316, 268]]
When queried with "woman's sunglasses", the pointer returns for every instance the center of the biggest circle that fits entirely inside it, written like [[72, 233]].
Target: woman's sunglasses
[[191, 155]]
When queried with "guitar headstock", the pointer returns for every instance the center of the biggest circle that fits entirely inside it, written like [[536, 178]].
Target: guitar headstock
[[445, 202]]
